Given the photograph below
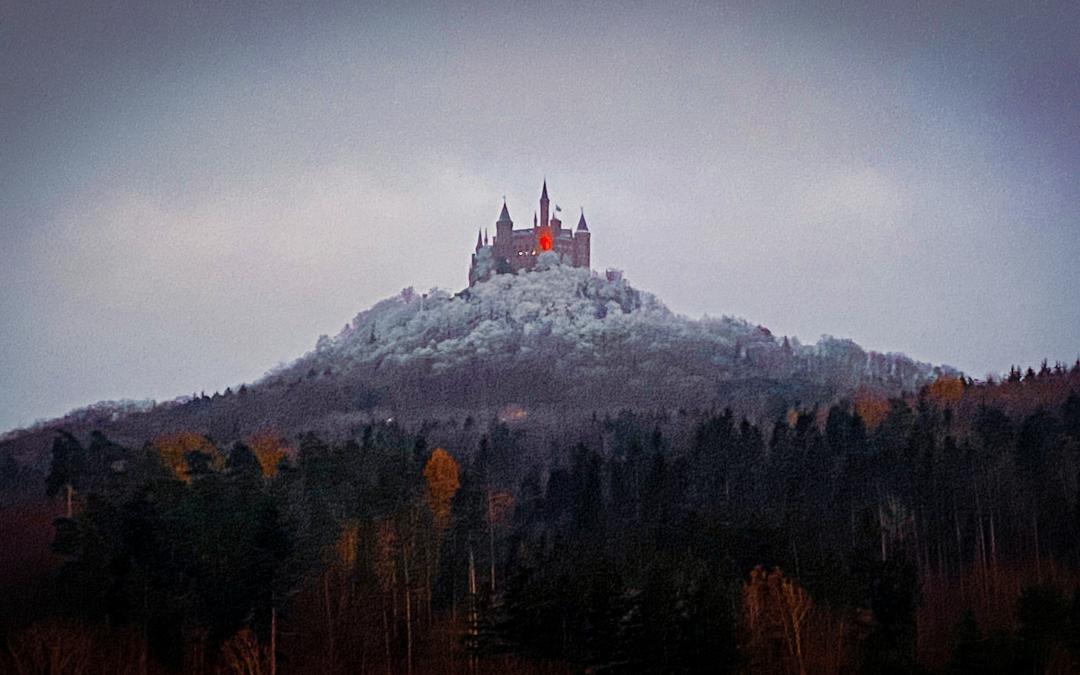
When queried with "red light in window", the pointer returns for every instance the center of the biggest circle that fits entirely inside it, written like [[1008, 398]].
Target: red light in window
[[545, 242]]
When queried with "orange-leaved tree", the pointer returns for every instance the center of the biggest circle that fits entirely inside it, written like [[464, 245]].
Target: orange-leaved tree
[[441, 474], [775, 610], [269, 449], [946, 389], [871, 407], [174, 450]]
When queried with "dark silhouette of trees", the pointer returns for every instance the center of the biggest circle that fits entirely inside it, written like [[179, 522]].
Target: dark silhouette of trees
[[942, 534]]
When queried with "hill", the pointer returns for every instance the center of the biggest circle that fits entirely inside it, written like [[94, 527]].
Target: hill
[[516, 519], [552, 343]]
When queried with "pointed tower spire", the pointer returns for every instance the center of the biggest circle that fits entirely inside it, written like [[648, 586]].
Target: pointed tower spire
[[581, 226], [504, 215], [504, 234], [479, 240], [485, 237], [534, 220], [544, 206]]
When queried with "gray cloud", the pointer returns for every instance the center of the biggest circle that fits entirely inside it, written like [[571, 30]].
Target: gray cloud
[[189, 196]]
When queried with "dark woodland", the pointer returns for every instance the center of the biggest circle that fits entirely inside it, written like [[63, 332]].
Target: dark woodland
[[934, 531]]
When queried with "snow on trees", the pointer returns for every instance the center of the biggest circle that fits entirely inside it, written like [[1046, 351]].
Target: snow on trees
[[574, 322]]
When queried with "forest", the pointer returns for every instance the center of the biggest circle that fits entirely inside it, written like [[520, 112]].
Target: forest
[[935, 532]]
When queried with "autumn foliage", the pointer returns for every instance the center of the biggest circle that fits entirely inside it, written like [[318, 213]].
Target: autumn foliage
[[946, 389], [441, 474], [175, 448], [871, 408], [270, 450], [934, 532], [775, 614]]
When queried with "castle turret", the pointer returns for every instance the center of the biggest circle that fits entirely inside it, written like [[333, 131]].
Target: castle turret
[[479, 240], [582, 243], [504, 228]]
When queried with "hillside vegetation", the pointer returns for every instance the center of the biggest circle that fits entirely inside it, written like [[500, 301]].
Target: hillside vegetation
[[555, 342], [550, 473]]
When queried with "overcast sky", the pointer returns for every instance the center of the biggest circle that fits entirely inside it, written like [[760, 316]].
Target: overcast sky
[[191, 194]]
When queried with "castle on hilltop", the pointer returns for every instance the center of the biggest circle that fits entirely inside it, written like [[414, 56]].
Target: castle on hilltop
[[513, 250]]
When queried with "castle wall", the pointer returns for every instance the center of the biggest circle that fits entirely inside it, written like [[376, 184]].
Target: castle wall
[[524, 249]]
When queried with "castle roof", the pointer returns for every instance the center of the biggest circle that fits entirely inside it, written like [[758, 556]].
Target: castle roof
[[543, 194], [504, 216], [581, 226]]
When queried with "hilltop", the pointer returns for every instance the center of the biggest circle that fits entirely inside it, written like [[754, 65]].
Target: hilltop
[[596, 339]]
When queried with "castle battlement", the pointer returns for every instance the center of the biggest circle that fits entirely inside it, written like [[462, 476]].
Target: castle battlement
[[513, 250]]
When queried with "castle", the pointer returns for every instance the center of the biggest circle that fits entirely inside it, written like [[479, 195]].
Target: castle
[[513, 250]]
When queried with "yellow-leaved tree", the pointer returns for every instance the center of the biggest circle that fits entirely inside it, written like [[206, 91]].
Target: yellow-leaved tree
[[174, 448], [269, 449], [441, 474], [946, 389], [871, 407], [775, 610]]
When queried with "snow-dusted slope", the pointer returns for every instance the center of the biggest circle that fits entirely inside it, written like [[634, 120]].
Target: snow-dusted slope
[[557, 340], [579, 325]]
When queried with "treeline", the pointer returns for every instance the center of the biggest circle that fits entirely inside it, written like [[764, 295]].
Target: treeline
[[940, 533]]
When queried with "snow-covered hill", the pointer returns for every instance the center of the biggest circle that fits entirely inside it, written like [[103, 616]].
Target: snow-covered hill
[[558, 343], [579, 327]]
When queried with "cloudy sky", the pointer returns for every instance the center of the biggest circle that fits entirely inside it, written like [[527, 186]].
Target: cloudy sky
[[191, 192]]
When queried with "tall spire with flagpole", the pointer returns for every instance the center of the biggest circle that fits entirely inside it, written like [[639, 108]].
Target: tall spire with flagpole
[[544, 220]]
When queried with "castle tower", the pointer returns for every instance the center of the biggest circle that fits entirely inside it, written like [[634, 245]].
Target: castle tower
[[544, 206], [545, 240], [582, 244], [504, 228]]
